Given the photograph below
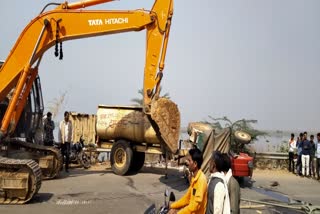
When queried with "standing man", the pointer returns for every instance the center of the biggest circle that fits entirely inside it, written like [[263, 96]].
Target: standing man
[[48, 126], [195, 200], [312, 155], [305, 155], [65, 137], [233, 185], [292, 146], [218, 196], [299, 150], [318, 156]]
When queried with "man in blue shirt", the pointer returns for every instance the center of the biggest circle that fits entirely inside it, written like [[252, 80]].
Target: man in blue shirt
[[305, 155], [312, 155]]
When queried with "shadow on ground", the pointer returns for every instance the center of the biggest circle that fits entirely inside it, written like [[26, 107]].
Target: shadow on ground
[[175, 182], [75, 171], [41, 197], [245, 182], [159, 170], [173, 179]]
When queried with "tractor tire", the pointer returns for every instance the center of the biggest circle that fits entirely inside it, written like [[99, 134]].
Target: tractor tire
[[242, 137], [138, 161], [121, 157]]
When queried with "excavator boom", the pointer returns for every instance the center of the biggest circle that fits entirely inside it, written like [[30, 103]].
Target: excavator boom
[[67, 22]]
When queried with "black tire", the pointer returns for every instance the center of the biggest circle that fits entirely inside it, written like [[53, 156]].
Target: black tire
[[121, 157], [138, 161], [84, 160]]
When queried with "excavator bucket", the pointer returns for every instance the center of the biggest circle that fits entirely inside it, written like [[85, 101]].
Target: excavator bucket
[[166, 115]]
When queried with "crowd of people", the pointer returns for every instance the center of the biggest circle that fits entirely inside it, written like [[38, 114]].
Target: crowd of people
[[304, 155], [64, 135], [220, 194]]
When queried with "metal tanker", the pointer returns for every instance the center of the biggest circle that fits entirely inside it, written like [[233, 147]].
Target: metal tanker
[[129, 133], [125, 122]]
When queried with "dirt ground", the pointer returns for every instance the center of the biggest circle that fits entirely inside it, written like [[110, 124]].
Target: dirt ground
[[268, 191], [281, 188]]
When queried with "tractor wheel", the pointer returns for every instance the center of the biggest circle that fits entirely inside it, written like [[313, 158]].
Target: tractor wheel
[[242, 137]]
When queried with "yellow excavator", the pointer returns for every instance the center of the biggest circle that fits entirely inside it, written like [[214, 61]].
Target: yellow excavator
[[24, 163]]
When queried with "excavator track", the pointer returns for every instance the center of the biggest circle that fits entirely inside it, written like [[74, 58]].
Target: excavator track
[[166, 115], [20, 180], [50, 160]]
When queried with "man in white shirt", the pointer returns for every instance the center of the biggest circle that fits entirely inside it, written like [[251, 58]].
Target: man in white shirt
[[218, 196], [292, 147], [65, 138]]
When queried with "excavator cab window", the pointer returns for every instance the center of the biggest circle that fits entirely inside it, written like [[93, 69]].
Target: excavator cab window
[[30, 122]]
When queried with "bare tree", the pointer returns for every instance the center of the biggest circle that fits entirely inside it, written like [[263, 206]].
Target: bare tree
[[245, 125], [56, 104]]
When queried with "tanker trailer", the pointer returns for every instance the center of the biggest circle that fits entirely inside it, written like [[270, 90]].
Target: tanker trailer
[[130, 133]]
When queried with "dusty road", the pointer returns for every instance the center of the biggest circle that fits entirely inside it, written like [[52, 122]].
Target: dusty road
[[98, 190], [280, 187]]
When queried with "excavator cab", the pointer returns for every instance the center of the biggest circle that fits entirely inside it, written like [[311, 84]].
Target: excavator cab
[[30, 122]]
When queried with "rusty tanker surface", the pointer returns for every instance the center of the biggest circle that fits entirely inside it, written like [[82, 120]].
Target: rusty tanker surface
[[130, 123]]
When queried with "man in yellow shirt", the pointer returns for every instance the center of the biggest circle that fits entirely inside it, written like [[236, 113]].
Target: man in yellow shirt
[[195, 200]]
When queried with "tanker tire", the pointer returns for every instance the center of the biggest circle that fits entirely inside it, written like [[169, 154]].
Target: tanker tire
[[121, 157], [138, 161]]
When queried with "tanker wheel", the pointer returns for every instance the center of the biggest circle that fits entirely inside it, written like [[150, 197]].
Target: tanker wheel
[[138, 161], [121, 157]]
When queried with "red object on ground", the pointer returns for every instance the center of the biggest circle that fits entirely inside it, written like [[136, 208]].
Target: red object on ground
[[242, 165]]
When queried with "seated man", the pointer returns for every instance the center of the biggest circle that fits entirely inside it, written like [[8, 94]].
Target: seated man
[[195, 200]]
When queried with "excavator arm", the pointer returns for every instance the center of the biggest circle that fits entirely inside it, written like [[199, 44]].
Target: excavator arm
[[73, 21]]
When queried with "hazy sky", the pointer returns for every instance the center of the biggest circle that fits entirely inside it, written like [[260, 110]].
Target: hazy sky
[[243, 59]]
